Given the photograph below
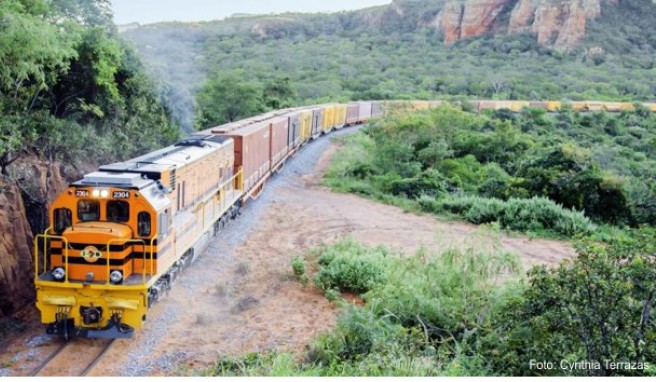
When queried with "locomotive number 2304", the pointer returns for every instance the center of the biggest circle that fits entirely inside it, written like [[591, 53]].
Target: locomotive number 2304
[[120, 194]]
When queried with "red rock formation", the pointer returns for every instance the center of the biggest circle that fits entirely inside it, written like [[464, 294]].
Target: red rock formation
[[522, 15], [559, 23], [449, 20], [480, 16]]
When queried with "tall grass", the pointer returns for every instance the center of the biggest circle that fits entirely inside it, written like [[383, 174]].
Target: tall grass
[[421, 317]]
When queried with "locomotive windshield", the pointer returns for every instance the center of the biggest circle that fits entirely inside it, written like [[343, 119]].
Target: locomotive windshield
[[88, 210], [118, 211]]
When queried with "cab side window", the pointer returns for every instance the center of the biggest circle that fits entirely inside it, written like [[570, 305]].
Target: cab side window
[[63, 219], [88, 210], [144, 224], [118, 211]]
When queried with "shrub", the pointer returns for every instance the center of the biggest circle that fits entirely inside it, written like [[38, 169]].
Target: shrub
[[597, 307], [298, 266], [348, 266], [535, 214]]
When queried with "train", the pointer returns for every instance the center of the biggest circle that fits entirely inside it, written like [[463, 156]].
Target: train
[[119, 237]]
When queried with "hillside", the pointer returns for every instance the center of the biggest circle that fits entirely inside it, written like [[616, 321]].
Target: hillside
[[409, 49]]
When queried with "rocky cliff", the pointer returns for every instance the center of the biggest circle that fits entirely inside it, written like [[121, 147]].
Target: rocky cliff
[[557, 23], [15, 255], [24, 200]]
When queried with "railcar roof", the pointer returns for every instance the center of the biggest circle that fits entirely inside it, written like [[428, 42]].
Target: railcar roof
[[246, 130], [176, 156]]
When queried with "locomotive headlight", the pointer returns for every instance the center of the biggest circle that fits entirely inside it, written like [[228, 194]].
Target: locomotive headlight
[[95, 193], [104, 193], [59, 273], [116, 277]]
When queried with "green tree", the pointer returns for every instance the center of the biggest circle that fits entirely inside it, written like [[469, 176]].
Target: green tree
[[227, 98], [598, 307], [279, 94]]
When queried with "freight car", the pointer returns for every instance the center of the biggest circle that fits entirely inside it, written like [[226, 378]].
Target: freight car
[[119, 237]]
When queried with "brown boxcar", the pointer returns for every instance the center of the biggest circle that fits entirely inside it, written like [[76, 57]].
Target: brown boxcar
[[279, 139], [317, 122], [376, 109], [364, 112], [352, 113], [252, 151], [544, 105], [486, 105]]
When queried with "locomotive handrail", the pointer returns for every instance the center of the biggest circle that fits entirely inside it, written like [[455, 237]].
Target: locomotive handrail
[[45, 236], [124, 241], [152, 268]]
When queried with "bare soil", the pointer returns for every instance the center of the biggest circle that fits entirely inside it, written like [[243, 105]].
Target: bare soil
[[241, 297]]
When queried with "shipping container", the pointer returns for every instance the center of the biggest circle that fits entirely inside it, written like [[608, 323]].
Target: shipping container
[[396, 107], [377, 109], [279, 139], [306, 125], [593, 106], [328, 119], [554, 105], [252, 151], [612, 106], [364, 112], [419, 105], [340, 116], [626, 106], [517, 105], [485, 105], [230, 126], [352, 113], [317, 121], [579, 105], [294, 134], [539, 105], [434, 104], [651, 106]]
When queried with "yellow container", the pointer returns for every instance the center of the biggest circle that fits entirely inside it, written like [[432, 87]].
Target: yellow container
[[420, 105], [340, 116], [306, 125], [626, 106], [518, 105], [328, 118], [554, 105], [579, 105]]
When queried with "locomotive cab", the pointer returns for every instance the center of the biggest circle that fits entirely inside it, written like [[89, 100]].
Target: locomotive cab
[[106, 230]]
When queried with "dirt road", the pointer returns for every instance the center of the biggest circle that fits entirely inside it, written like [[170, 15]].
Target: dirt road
[[240, 297]]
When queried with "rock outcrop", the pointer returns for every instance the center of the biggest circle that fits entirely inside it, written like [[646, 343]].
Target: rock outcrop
[[558, 23], [24, 210], [16, 285]]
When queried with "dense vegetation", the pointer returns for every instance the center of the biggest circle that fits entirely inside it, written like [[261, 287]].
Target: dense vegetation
[[70, 89], [530, 171], [470, 313], [343, 56]]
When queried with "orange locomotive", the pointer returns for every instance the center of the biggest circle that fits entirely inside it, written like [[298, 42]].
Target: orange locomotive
[[120, 235]]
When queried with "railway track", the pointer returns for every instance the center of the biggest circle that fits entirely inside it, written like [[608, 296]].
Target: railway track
[[73, 358]]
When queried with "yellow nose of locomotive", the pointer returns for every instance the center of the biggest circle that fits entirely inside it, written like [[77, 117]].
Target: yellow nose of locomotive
[[96, 249]]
